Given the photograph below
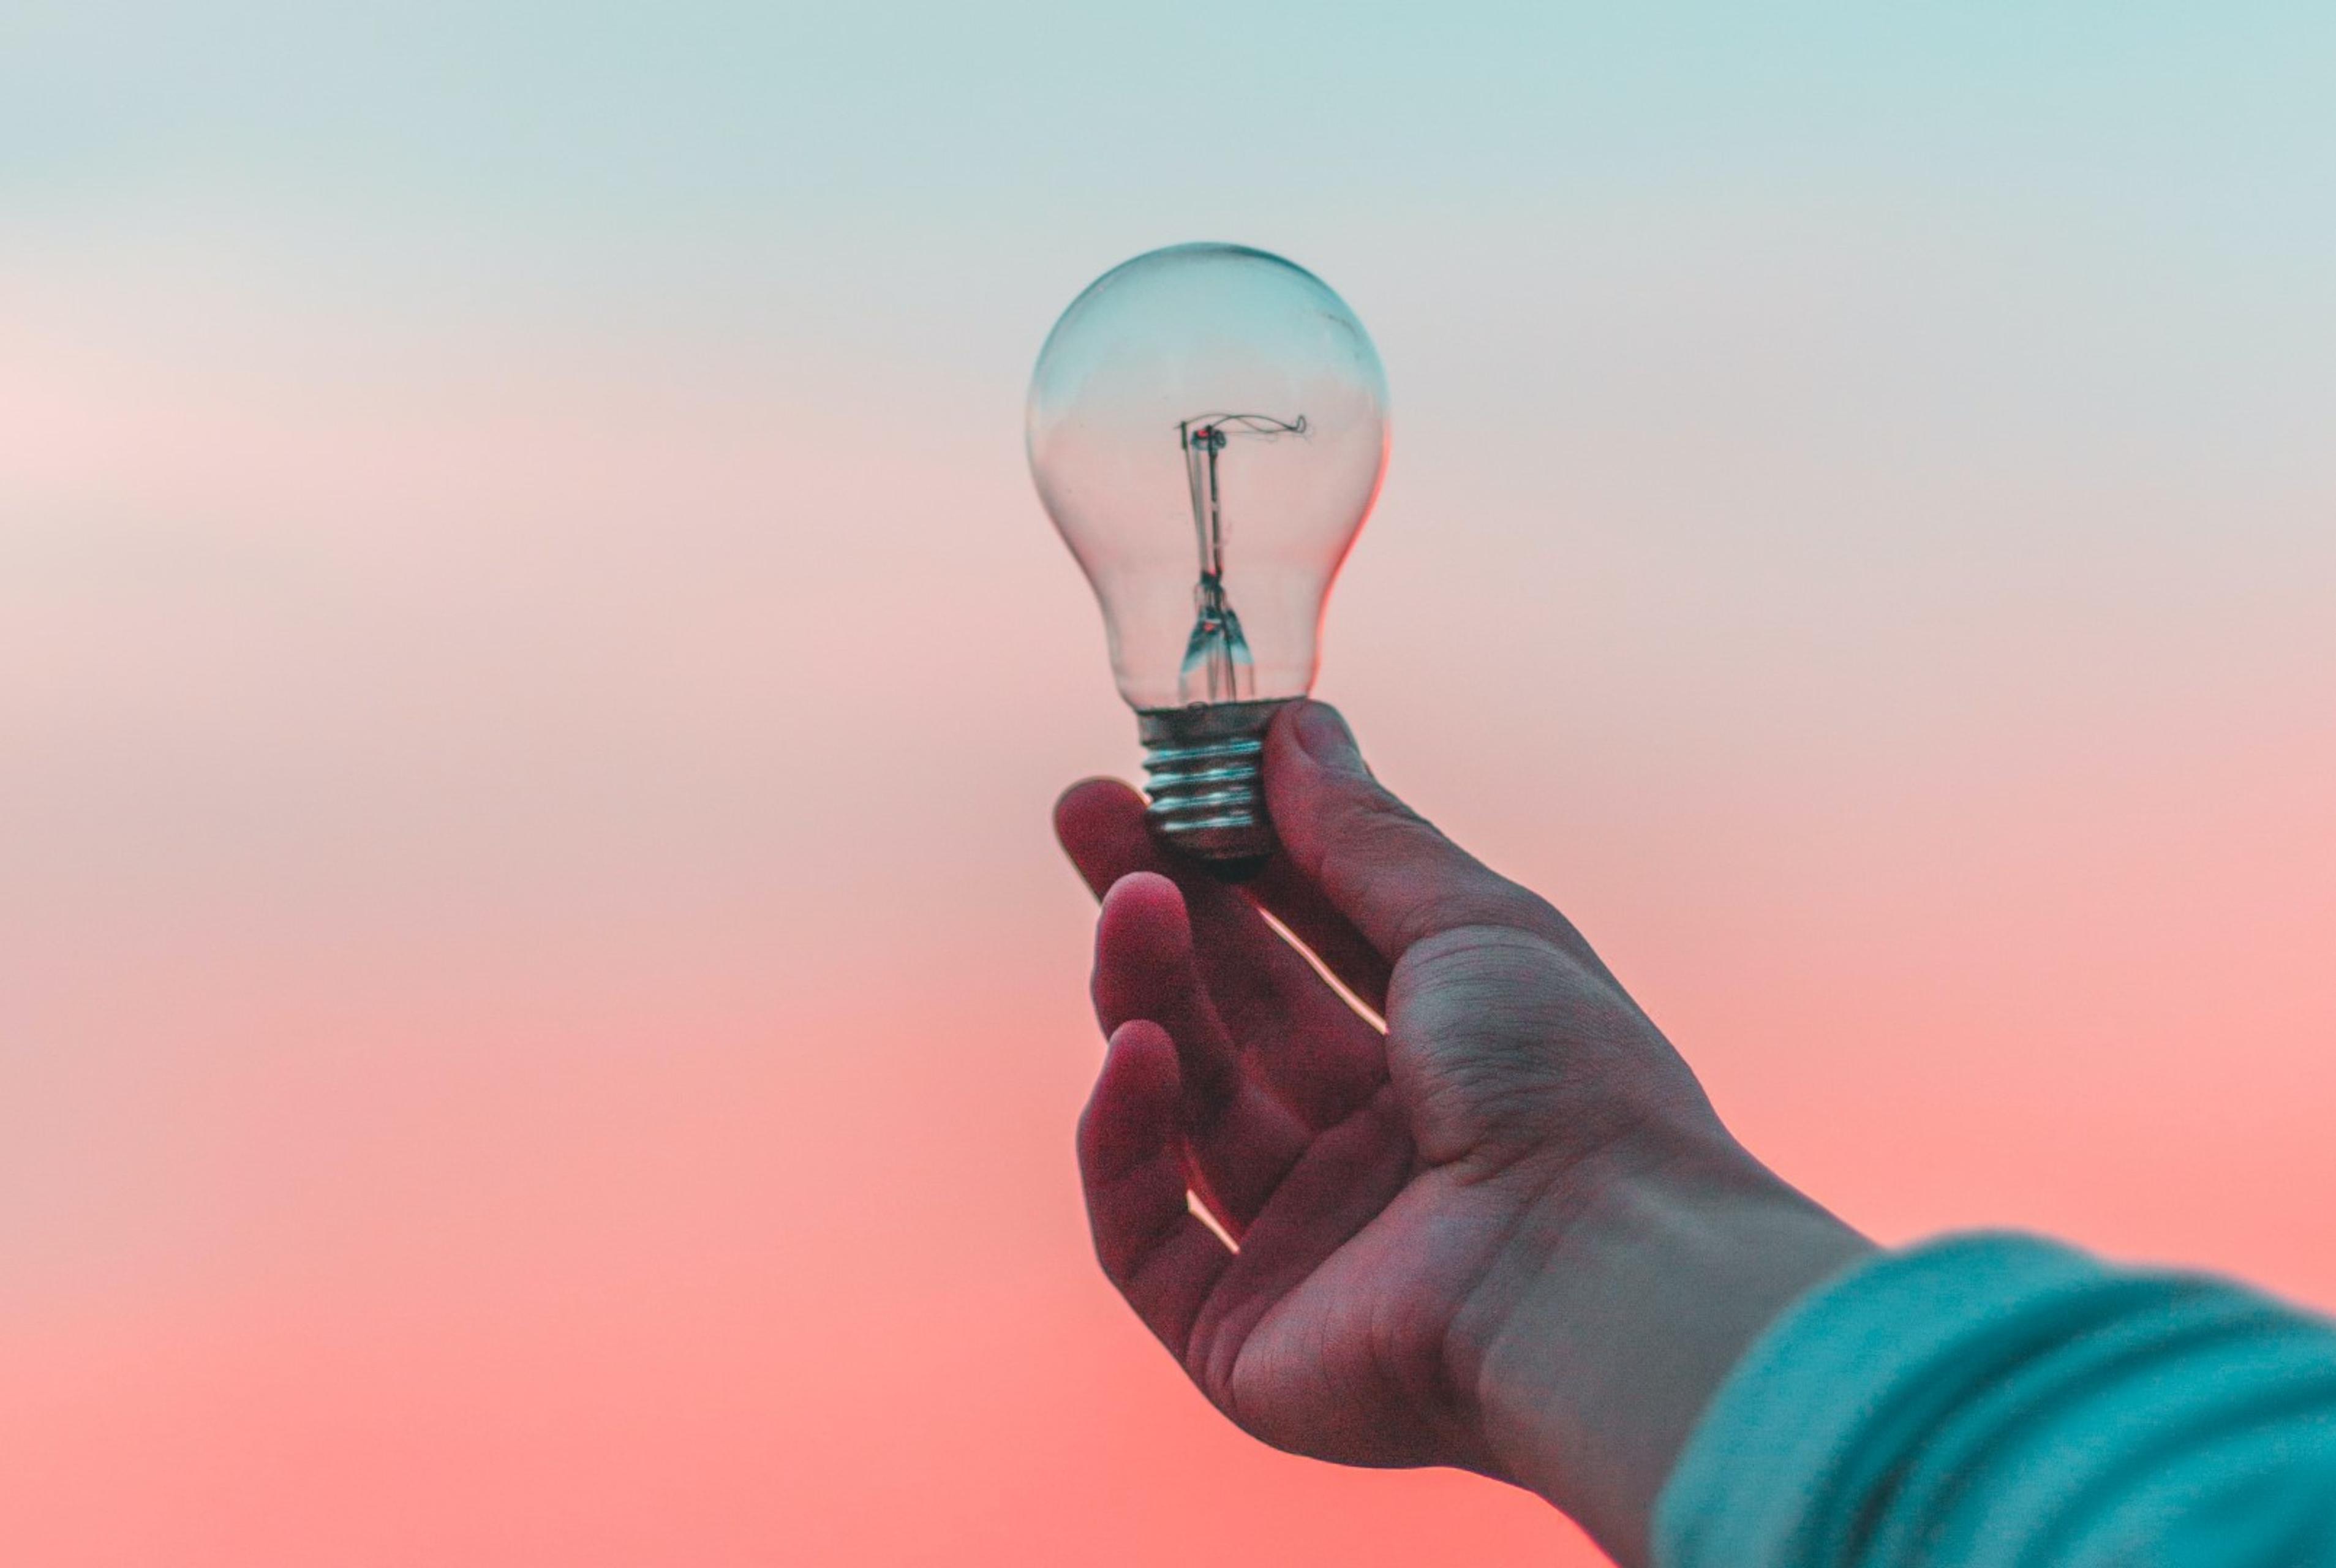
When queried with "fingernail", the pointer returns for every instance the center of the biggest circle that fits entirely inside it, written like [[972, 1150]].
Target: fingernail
[[1323, 735]]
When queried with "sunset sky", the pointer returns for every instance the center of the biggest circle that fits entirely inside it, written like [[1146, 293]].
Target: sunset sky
[[539, 1017]]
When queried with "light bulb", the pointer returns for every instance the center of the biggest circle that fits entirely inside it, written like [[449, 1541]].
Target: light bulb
[[1207, 426]]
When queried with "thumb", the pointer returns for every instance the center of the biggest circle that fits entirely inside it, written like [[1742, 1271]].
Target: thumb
[[1376, 862]]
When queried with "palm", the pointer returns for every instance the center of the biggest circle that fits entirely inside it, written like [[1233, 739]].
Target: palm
[[1349, 1362]]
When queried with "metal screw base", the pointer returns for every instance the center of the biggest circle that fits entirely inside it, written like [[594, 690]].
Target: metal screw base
[[1203, 771]]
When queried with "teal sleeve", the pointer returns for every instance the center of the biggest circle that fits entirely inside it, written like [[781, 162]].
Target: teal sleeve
[[1991, 1400]]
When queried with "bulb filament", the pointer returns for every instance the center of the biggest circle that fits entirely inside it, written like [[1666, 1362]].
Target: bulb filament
[[1217, 665]]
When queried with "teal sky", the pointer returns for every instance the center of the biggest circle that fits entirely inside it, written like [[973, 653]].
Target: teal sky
[[933, 162]]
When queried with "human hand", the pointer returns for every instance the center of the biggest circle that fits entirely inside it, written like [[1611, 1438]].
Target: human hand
[[1435, 1224]]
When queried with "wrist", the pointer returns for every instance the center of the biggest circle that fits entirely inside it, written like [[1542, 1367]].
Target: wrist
[[1627, 1294]]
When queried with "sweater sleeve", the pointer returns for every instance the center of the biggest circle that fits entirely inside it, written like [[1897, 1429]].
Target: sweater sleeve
[[1991, 1400]]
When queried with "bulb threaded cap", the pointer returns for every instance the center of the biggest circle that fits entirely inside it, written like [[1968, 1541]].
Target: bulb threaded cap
[[1204, 770]]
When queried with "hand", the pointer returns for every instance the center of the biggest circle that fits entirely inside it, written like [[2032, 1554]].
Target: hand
[[1429, 1219]]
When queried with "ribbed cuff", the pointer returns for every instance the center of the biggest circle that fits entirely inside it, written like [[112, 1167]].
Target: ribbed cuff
[[1803, 1433]]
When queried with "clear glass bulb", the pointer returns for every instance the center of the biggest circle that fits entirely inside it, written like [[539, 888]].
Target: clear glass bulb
[[1207, 427]]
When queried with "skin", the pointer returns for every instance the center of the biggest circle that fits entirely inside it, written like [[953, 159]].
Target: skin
[[1505, 1233]]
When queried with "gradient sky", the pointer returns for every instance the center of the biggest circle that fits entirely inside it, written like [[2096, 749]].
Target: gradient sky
[[539, 1022]]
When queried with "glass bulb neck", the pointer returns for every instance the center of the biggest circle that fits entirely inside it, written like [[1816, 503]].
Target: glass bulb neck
[[1204, 768]]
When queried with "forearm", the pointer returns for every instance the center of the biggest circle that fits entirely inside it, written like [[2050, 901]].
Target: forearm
[[1593, 1359]]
